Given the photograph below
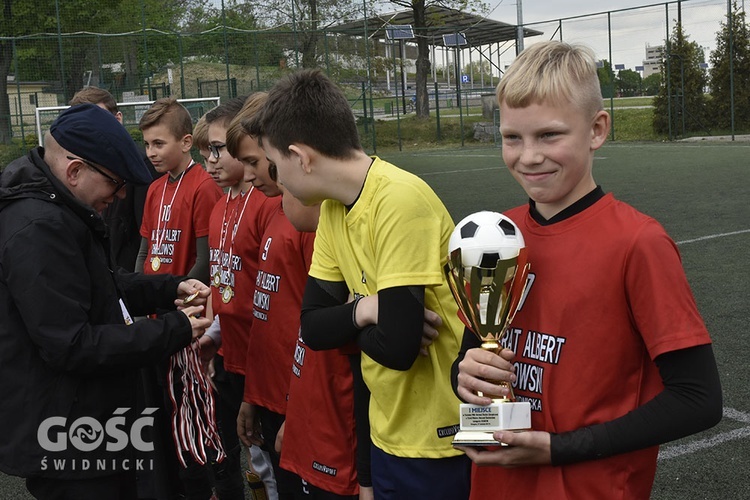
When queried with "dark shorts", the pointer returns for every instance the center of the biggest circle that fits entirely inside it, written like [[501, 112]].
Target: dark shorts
[[396, 478]]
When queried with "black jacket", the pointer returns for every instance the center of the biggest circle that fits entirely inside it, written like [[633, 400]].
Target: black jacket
[[68, 362]]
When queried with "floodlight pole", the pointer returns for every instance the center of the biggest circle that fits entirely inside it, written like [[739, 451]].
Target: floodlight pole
[[519, 27]]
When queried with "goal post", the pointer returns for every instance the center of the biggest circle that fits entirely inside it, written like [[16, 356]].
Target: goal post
[[131, 112]]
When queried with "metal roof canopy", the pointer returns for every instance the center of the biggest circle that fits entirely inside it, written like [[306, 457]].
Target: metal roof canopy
[[440, 21]]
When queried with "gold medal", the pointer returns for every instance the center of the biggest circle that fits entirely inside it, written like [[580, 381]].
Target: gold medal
[[227, 294], [187, 300], [155, 264], [216, 279]]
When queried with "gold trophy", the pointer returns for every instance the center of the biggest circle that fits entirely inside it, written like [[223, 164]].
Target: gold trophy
[[487, 269]]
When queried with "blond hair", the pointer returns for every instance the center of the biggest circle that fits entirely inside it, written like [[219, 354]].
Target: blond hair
[[200, 134], [554, 73]]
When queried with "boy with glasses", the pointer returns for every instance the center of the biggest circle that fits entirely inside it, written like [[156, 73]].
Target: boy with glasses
[[236, 225], [175, 240]]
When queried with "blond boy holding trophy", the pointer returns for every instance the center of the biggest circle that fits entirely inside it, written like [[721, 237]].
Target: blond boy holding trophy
[[607, 345]]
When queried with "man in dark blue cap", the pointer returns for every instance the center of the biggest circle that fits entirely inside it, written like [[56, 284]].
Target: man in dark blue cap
[[69, 350]]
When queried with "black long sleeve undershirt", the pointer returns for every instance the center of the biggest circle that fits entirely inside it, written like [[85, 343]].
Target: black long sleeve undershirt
[[327, 323], [394, 342], [690, 402]]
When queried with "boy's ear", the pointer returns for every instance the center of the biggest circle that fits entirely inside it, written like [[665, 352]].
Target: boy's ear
[[186, 142], [600, 129], [303, 154]]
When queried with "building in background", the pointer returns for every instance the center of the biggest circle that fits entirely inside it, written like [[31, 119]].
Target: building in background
[[652, 62]]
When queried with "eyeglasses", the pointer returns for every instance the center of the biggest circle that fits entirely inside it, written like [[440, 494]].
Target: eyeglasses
[[273, 172], [216, 150], [118, 184]]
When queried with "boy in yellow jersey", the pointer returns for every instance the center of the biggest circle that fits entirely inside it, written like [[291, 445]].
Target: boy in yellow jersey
[[382, 238]]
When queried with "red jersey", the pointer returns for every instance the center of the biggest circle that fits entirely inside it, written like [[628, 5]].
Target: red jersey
[[607, 295], [175, 214], [284, 260], [236, 226], [319, 440]]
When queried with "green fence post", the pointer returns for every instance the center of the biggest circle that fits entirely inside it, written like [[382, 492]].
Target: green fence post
[[437, 111]]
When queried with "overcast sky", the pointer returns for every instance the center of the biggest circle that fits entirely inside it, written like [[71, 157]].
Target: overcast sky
[[631, 30]]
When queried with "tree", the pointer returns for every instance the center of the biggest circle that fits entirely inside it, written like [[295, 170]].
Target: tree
[[628, 83], [18, 17], [422, 20], [479, 70], [606, 78], [679, 107], [721, 87], [307, 19], [651, 84]]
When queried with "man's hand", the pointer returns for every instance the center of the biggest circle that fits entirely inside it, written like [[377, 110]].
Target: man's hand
[[194, 290], [198, 324], [429, 332], [523, 448], [248, 426], [481, 371]]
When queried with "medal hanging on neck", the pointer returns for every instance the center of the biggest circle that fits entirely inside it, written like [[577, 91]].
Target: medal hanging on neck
[[216, 278], [228, 292], [165, 213]]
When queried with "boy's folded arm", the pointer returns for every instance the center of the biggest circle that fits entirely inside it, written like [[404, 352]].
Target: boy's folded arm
[[326, 317], [690, 402], [327, 322], [396, 339]]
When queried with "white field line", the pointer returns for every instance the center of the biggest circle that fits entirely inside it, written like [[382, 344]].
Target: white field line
[[463, 170], [667, 452], [712, 236]]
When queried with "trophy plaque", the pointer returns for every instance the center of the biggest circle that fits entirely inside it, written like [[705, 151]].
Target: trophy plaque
[[486, 270]]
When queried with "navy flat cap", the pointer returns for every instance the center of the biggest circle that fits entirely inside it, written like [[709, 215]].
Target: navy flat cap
[[94, 134]]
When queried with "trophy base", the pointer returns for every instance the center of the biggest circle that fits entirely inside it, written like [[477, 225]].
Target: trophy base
[[475, 438], [497, 416], [479, 422]]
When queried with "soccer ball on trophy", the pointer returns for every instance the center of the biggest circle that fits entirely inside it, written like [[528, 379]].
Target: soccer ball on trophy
[[484, 238]]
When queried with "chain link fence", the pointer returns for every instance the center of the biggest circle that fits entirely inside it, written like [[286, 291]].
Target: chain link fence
[[378, 77]]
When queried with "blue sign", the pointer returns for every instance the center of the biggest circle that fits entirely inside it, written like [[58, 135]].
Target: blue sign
[[464, 78], [639, 68], [619, 66]]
